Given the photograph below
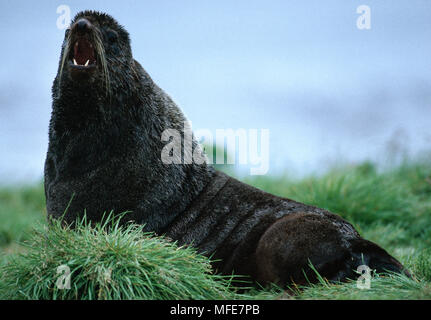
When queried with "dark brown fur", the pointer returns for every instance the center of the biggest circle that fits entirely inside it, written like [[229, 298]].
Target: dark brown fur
[[273, 239], [105, 154]]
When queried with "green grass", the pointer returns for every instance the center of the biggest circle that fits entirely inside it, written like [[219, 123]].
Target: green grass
[[21, 208], [109, 262], [391, 208]]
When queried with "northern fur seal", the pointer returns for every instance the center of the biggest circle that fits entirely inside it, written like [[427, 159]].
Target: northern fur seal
[[105, 154]]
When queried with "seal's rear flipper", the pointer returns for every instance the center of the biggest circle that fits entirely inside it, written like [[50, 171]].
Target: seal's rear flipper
[[364, 252], [294, 247], [362, 255]]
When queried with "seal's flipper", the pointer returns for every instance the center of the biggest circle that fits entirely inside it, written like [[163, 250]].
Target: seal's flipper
[[298, 245], [364, 252]]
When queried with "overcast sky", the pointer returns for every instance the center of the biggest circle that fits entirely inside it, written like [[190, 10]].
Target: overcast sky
[[326, 90]]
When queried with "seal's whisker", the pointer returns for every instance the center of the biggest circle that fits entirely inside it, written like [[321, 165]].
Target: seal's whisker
[[100, 49], [66, 51]]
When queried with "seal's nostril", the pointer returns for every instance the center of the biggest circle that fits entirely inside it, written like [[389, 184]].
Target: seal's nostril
[[82, 25]]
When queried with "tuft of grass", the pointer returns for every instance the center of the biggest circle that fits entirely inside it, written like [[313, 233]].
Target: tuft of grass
[[108, 261], [421, 265], [382, 287]]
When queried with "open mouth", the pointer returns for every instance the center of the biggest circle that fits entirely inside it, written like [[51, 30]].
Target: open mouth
[[83, 54]]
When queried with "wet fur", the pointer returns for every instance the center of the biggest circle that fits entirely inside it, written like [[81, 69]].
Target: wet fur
[[105, 154]]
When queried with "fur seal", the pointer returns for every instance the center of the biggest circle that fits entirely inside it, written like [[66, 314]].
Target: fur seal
[[104, 154]]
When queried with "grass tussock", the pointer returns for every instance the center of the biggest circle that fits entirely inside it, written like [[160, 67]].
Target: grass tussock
[[390, 207], [108, 262]]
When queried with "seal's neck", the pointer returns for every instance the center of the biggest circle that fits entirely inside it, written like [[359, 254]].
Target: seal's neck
[[78, 107], [88, 132]]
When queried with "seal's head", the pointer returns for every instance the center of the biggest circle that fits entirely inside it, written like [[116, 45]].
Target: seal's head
[[95, 47]]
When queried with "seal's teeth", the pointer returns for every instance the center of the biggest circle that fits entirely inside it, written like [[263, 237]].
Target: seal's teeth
[[74, 62], [86, 64]]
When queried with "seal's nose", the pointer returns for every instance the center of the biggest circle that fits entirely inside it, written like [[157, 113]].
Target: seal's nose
[[82, 25]]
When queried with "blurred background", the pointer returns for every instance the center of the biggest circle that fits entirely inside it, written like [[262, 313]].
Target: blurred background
[[328, 92]]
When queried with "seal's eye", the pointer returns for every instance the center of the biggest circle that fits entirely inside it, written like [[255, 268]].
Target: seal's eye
[[112, 36]]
